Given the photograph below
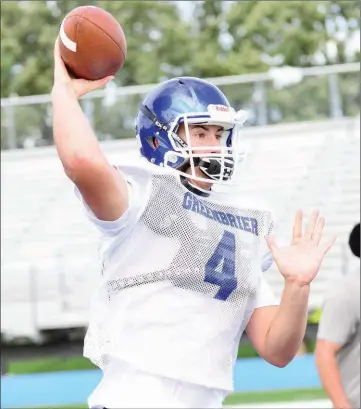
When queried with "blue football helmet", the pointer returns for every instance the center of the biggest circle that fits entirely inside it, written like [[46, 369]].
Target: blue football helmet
[[188, 101]]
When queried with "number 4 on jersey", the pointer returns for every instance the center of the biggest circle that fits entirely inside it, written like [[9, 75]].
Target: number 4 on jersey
[[220, 268]]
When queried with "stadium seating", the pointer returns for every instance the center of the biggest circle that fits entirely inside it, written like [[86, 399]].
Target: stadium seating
[[318, 168], [49, 251]]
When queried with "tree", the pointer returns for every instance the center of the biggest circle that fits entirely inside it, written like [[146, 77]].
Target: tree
[[296, 33], [299, 34], [221, 38], [158, 48], [29, 29], [209, 54]]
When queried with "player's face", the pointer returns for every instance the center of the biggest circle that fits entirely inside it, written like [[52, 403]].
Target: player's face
[[202, 135]]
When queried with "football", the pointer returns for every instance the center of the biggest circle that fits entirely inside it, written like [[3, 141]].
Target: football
[[92, 43]]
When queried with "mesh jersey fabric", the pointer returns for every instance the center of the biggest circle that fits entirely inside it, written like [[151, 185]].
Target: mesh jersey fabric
[[181, 277]]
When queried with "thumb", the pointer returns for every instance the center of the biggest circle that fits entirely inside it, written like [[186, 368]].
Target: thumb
[[85, 86], [271, 243], [99, 83]]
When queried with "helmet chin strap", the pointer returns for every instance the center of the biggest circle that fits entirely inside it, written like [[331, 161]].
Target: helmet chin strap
[[211, 168], [193, 188]]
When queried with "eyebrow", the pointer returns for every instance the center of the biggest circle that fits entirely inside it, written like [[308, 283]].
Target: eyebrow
[[206, 128]]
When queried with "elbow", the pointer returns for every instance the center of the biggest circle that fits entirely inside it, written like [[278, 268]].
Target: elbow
[[77, 165], [279, 356], [280, 362]]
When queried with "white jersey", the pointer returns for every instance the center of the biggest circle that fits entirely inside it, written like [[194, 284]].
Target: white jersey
[[181, 277]]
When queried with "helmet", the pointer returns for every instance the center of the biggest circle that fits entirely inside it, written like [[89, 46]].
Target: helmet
[[354, 240], [188, 100]]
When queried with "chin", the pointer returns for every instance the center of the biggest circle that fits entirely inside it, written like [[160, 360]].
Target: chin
[[202, 185]]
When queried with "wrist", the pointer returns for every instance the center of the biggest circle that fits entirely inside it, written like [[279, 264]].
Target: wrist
[[296, 282], [63, 87], [297, 286]]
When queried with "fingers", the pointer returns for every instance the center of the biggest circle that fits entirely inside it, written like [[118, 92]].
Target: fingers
[[57, 54], [297, 227], [314, 231], [327, 246], [60, 70], [56, 49], [318, 230], [80, 86], [311, 225]]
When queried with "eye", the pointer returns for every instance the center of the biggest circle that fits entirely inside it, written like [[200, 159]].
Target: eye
[[200, 135], [219, 137]]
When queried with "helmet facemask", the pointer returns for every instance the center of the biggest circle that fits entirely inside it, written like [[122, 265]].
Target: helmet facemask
[[218, 167]]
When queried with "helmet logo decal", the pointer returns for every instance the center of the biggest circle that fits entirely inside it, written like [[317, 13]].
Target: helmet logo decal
[[218, 108]]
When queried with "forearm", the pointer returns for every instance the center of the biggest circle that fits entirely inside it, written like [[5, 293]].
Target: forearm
[[288, 327], [73, 135], [331, 379]]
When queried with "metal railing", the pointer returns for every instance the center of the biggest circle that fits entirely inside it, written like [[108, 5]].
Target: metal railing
[[285, 94]]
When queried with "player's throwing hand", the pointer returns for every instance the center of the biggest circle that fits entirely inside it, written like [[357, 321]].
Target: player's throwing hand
[[300, 262], [78, 86]]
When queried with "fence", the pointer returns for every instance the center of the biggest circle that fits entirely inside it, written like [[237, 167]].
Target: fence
[[280, 95]]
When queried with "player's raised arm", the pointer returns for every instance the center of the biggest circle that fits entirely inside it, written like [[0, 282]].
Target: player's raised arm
[[102, 187]]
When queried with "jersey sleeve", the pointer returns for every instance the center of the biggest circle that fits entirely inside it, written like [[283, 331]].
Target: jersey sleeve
[[267, 261], [266, 256], [137, 190]]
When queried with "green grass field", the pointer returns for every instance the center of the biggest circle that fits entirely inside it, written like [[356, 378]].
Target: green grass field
[[49, 365], [81, 363]]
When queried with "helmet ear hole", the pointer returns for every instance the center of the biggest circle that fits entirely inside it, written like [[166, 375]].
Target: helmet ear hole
[[153, 142]]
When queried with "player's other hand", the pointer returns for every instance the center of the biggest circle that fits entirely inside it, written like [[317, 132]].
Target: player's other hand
[[78, 86], [300, 261]]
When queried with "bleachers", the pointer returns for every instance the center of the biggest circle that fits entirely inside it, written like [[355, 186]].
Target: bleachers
[[315, 168], [49, 256]]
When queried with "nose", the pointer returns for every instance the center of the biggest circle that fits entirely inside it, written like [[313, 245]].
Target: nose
[[215, 145]]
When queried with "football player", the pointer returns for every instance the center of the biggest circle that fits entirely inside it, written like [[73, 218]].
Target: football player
[[183, 261]]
